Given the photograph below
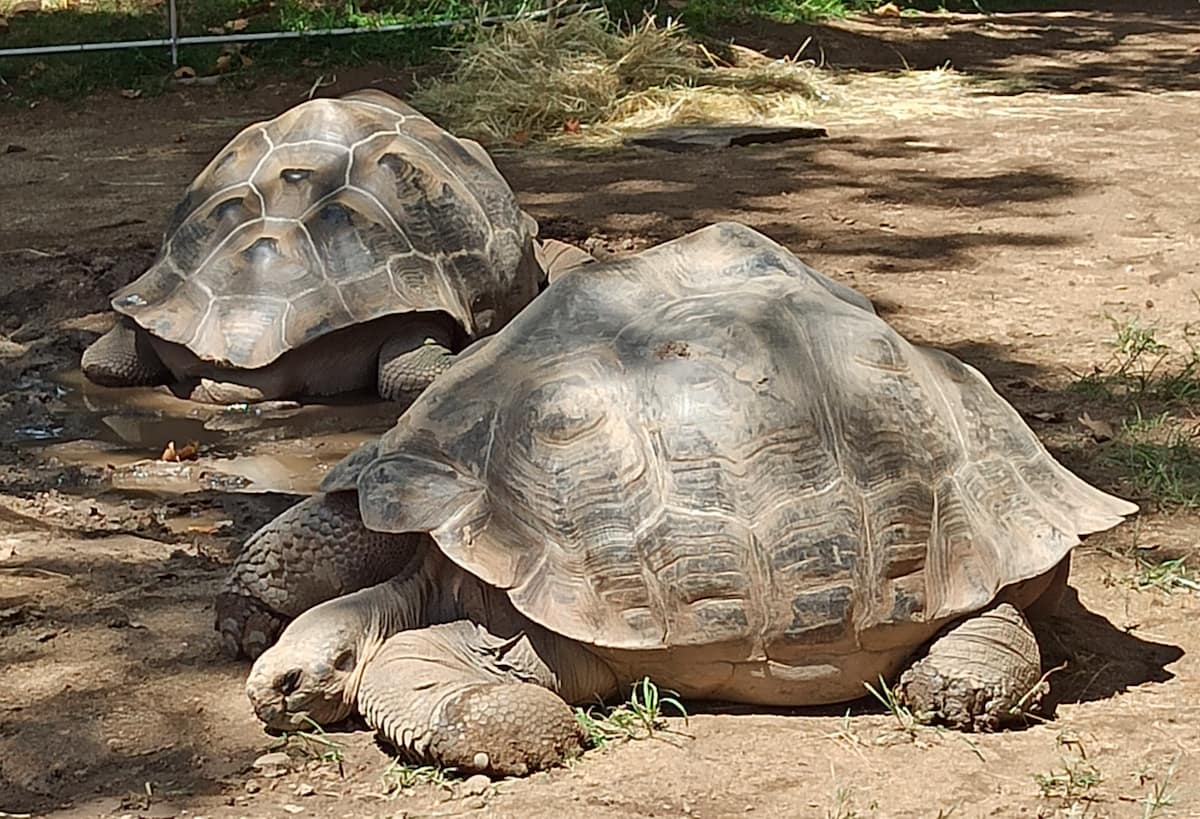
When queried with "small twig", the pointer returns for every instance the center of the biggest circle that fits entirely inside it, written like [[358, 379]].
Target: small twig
[[35, 570], [318, 84]]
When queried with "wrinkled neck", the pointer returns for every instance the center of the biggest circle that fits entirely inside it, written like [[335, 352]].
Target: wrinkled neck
[[387, 608]]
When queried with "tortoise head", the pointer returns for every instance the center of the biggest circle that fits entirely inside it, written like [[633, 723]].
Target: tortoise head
[[311, 674]]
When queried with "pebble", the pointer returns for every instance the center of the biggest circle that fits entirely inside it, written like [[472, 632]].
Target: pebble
[[252, 786], [476, 785]]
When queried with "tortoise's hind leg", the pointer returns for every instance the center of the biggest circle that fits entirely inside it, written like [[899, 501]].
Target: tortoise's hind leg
[[123, 357], [456, 695], [413, 357], [981, 673]]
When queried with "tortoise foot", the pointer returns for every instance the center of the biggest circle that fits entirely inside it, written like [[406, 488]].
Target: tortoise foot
[[123, 357], [979, 675]]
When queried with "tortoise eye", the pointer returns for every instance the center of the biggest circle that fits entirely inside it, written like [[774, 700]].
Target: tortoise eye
[[295, 175], [230, 207]]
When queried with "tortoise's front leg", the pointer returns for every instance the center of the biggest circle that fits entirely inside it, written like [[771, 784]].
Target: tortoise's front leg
[[315, 551], [457, 696], [981, 673], [123, 357], [413, 357]]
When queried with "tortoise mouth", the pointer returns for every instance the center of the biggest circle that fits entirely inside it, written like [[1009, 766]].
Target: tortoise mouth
[[298, 710]]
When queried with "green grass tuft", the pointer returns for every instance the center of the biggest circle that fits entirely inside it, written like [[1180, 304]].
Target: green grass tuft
[[1157, 447], [640, 717], [400, 777]]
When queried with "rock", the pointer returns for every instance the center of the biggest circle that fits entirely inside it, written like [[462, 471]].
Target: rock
[[305, 789], [476, 785], [273, 764], [252, 786]]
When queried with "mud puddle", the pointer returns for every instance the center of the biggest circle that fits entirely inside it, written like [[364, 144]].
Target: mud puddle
[[147, 440]]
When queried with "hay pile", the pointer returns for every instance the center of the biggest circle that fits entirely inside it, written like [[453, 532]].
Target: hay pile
[[583, 79]]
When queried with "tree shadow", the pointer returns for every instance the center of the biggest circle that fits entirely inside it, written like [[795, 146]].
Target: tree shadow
[[1099, 660], [1085, 46], [785, 192]]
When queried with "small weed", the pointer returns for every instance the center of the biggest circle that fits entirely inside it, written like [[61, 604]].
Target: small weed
[[315, 744], [1072, 784], [1161, 795], [1160, 458], [400, 777], [1142, 368], [1167, 575], [891, 701], [1155, 448], [843, 804], [641, 717]]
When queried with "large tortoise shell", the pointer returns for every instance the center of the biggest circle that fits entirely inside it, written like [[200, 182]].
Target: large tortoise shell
[[710, 443], [337, 211]]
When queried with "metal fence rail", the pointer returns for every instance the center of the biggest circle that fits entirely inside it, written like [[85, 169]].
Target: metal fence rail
[[174, 41]]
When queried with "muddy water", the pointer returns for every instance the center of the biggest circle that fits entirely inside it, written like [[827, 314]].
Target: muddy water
[[123, 434]]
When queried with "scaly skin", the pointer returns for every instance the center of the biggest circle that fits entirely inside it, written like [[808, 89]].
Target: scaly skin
[[485, 697], [313, 552]]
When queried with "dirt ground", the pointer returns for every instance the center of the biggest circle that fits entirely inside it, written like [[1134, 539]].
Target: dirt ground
[[1005, 228]]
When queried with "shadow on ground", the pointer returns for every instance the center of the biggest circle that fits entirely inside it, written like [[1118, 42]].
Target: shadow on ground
[[1077, 47]]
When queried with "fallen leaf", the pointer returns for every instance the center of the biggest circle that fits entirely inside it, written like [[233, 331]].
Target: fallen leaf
[[224, 63], [572, 126], [1047, 417], [215, 30], [189, 451], [887, 10], [184, 72], [237, 25], [1101, 430], [131, 93], [169, 454], [520, 138], [246, 61]]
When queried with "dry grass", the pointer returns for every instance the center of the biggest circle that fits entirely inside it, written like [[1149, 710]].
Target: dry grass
[[585, 80]]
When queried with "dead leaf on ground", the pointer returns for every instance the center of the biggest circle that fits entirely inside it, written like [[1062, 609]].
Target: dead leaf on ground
[[188, 452], [184, 72], [887, 10], [572, 126], [224, 63], [131, 93], [1101, 430], [1047, 417], [520, 138], [237, 25], [246, 61]]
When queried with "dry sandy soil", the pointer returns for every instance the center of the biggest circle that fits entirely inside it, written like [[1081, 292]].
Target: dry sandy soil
[[1004, 227]]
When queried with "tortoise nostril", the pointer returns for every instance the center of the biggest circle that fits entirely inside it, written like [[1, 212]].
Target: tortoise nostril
[[289, 682]]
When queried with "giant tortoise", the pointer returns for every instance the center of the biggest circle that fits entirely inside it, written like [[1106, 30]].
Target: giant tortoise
[[347, 244], [707, 464]]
